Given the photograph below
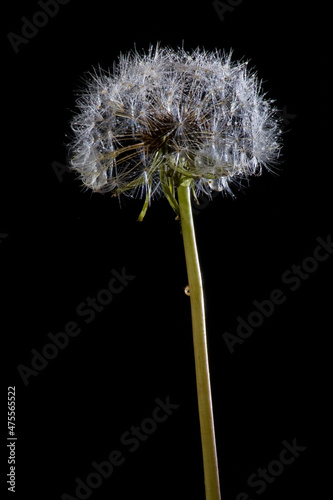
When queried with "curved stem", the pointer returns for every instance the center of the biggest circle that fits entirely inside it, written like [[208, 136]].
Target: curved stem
[[211, 473]]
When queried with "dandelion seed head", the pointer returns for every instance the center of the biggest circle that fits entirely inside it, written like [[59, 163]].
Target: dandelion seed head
[[170, 113]]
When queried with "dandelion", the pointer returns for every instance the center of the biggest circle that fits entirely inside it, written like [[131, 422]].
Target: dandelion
[[171, 122]]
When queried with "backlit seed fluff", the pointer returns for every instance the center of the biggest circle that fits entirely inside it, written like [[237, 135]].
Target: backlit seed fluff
[[167, 115]]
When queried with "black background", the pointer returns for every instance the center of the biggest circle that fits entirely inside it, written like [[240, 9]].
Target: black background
[[60, 243]]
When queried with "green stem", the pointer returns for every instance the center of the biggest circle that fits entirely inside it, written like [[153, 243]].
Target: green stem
[[211, 473]]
